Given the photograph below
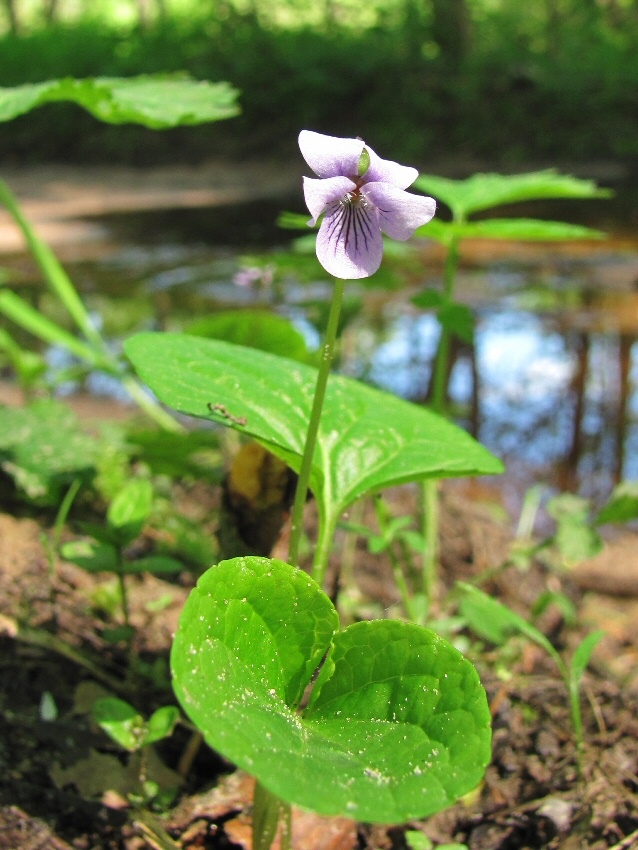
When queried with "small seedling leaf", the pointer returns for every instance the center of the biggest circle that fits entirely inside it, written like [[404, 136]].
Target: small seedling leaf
[[91, 555], [120, 721], [397, 725], [495, 622], [622, 505], [161, 724], [130, 509], [582, 656], [155, 564]]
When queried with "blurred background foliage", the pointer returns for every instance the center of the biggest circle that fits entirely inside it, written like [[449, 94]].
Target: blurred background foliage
[[504, 81]]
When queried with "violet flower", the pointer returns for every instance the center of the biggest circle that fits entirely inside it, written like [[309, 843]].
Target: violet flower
[[360, 196]]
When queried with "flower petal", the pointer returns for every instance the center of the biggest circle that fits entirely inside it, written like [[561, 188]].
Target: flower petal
[[349, 242], [320, 194], [330, 156], [400, 213], [387, 171]]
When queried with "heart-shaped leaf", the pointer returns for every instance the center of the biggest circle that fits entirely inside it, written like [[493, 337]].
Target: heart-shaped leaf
[[367, 440], [397, 726]]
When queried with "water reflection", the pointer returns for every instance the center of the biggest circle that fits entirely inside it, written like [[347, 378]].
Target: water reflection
[[550, 383], [553, 391]]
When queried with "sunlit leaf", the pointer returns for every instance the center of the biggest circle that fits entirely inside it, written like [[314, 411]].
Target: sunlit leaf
[[120, 721], [161, 724], [622, 505], [130, 509], [397, 726], [493, 621], [485, 191], [368, 439], [156, 101]]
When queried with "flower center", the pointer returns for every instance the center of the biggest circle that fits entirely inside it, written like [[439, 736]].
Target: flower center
[[354, 198]]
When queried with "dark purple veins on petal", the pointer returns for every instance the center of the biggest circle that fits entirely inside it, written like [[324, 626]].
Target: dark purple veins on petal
[[352, 224]]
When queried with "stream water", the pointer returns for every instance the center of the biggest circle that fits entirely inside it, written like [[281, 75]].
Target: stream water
[[550, 383]]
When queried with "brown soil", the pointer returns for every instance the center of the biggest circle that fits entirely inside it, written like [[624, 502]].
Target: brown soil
[[55, 790]]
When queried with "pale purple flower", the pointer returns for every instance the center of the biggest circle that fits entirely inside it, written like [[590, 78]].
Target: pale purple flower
[[360, 196]]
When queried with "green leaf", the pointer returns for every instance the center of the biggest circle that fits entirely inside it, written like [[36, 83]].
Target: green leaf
[[429, 299], [155, 564], [24, 315], [130, 509], [527, 230], [397, 726], [368, 439], [484, 191], [622, 505], [120, 721], [161, 724], [512, 229], [254, 328], [92, 556], [156, 101], [582, 656], [575, 537], [495, 622], [292, 221], [458, 320], [43, 449]]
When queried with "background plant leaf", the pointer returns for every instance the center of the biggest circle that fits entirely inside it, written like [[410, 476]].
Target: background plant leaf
[[258, 329], [156, 101], [43, 449], [484, 191], [622, 505], [91, 555], [130, 509], [120, 721], [495, 622]]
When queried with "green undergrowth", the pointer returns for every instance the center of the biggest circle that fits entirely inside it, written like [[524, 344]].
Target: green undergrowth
[[510, 95]]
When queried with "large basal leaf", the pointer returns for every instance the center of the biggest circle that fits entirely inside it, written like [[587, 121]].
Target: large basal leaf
[[156, 101], [368, 440], [484, 191], [397, 726]]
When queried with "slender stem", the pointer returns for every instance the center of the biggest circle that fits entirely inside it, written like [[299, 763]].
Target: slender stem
[[399, 576], [313, 424], [430, 497], [151, 407], [429, 490], [441, 365], [268, 810], [323, 546], [285, 832], [124, 598]]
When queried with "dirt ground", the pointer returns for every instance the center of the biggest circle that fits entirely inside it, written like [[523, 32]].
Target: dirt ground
[[57, 773]]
